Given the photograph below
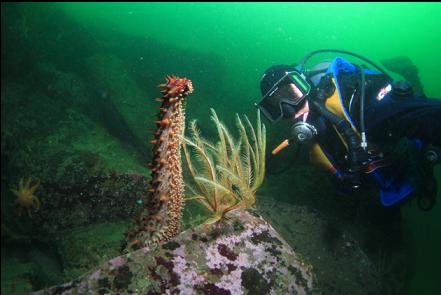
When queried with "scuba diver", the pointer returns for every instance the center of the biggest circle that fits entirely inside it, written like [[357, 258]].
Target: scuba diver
[[352, 117]]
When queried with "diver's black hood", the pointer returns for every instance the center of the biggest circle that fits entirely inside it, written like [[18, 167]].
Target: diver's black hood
[[272, 75]]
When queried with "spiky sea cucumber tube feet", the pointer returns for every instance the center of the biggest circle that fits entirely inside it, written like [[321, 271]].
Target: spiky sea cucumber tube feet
[[161, 217]]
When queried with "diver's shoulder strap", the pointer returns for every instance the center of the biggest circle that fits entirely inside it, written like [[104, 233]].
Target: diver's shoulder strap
[[334, 103]]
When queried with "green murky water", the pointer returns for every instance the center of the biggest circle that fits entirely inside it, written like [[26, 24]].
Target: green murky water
[[224, 48]]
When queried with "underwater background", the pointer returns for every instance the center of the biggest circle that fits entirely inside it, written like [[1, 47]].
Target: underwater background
[[78, 87]]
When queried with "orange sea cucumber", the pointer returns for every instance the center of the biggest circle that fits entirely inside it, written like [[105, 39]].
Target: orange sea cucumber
[[161, 217]]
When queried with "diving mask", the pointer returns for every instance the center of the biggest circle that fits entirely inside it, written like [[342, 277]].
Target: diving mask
[[284, 96]]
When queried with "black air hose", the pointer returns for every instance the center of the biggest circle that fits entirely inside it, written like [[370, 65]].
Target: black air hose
[[351, 138], [362, 99]]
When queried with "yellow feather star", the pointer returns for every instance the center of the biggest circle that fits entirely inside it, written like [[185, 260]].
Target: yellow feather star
[[25, 196], [226, 175]]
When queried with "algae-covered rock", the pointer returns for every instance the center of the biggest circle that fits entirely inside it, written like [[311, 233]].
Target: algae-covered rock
[[122, 95], [85, 247], [16, 279], [339, 252], [242, 255]]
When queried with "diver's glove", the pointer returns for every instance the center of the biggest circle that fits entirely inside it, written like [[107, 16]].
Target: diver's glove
[[347, 183], [352, 179], [359, 159]]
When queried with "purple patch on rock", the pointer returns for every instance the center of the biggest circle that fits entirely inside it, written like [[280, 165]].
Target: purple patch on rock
[[216, 271], [117, 262], [231, 267], [123, 278], [174, 279], [95, 276], [226, 252], [212, 289]]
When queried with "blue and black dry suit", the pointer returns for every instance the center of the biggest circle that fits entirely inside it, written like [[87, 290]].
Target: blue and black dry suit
[[388, 116]]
